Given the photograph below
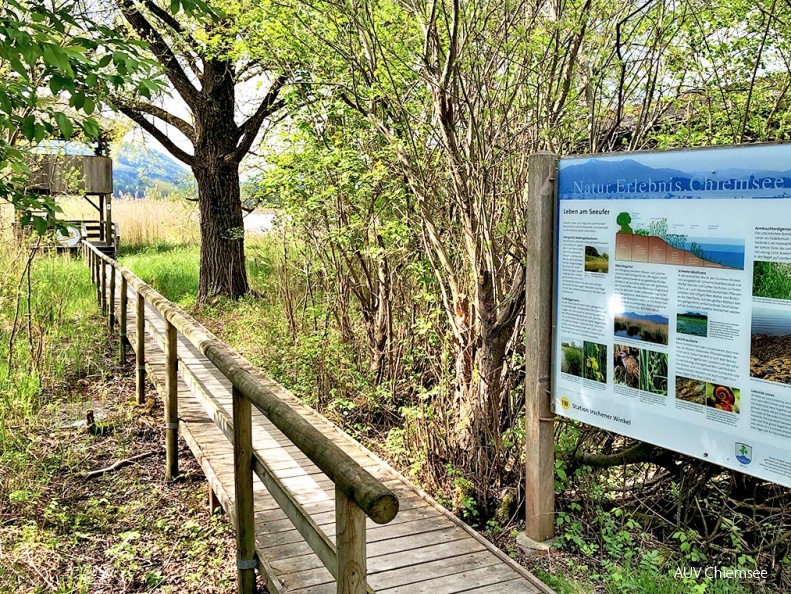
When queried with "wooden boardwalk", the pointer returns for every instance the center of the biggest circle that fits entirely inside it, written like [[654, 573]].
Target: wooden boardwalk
[[424, 549]]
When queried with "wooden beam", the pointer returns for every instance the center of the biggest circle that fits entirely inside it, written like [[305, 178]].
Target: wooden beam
[[297, 515], [97, 280], [101, 219], [539, 423]]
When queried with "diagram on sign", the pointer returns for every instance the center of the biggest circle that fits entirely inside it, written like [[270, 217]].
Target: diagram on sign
[[654, 245]]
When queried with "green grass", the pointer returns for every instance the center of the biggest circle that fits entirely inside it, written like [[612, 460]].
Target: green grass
[[58, 532], [626, 579], [171, 270], [597, 264], [772, 280], [644, 330], [692, 325], [573, 357], [56, 331]]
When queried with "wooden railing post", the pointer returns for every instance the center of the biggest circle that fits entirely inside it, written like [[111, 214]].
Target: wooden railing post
[[122, 323], [243, 486], [103, 290], [111, 317], [140, 349], [171, 403], [350, 544], [97, 280]]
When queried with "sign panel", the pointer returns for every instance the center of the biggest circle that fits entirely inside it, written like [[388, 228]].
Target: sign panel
[[673, 301]]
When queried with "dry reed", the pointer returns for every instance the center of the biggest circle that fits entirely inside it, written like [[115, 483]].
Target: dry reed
[[144, 222]]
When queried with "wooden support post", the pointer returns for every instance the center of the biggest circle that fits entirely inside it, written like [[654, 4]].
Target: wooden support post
[[214, 502], [98, 280], [122, 323], [101, 217], [111, 304], [350, 544], [108, 233], [171, 403], [243, 486], [103, 276], [140, 350], [539, 430]]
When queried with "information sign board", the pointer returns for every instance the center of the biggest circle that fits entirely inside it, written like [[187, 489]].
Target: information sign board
[[673, 301]]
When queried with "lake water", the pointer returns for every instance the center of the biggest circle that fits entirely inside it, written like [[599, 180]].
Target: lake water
[[259, 222], [625, 334], [775, 322]]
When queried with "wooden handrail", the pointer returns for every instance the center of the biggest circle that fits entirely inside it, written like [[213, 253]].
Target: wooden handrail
[[377, 501], [357, 492]]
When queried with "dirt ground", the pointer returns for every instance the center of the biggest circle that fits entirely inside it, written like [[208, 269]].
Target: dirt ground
[[125, 531]]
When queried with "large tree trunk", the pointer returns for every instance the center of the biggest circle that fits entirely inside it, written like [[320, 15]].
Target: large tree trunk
[[222, 263]]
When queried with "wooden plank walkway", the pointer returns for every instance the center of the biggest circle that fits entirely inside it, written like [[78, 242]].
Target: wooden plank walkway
[[425, 549]]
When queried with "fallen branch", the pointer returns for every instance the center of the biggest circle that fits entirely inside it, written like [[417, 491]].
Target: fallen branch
[[115, 466], [641, 452]]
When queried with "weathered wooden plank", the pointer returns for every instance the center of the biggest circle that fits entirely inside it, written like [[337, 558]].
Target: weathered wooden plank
[[299, 518], [458, 582], [421, 569], [518, 586], [425, 560]]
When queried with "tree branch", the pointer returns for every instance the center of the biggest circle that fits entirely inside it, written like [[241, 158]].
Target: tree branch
[[640, 452], [171, 22], [162, 51], [269, 105], [184, 127], [169, 145]]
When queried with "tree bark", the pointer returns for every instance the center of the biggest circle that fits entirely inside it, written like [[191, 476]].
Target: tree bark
[[222, 262]]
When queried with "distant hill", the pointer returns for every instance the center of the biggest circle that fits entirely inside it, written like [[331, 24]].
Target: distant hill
[[643, 318], [136, 170]]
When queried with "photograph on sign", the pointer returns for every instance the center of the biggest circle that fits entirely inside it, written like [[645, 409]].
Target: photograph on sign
[[673, 301]]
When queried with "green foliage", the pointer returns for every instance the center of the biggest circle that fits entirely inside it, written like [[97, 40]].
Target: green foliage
[[595, 361], [54, 71], [52, 330], [624, 219], [772, 279], [573, 357]]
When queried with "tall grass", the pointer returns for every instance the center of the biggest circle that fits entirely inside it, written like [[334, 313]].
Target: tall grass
[[50, 337], [171, 270], [48, 327], [145, 222], [772, 279]]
